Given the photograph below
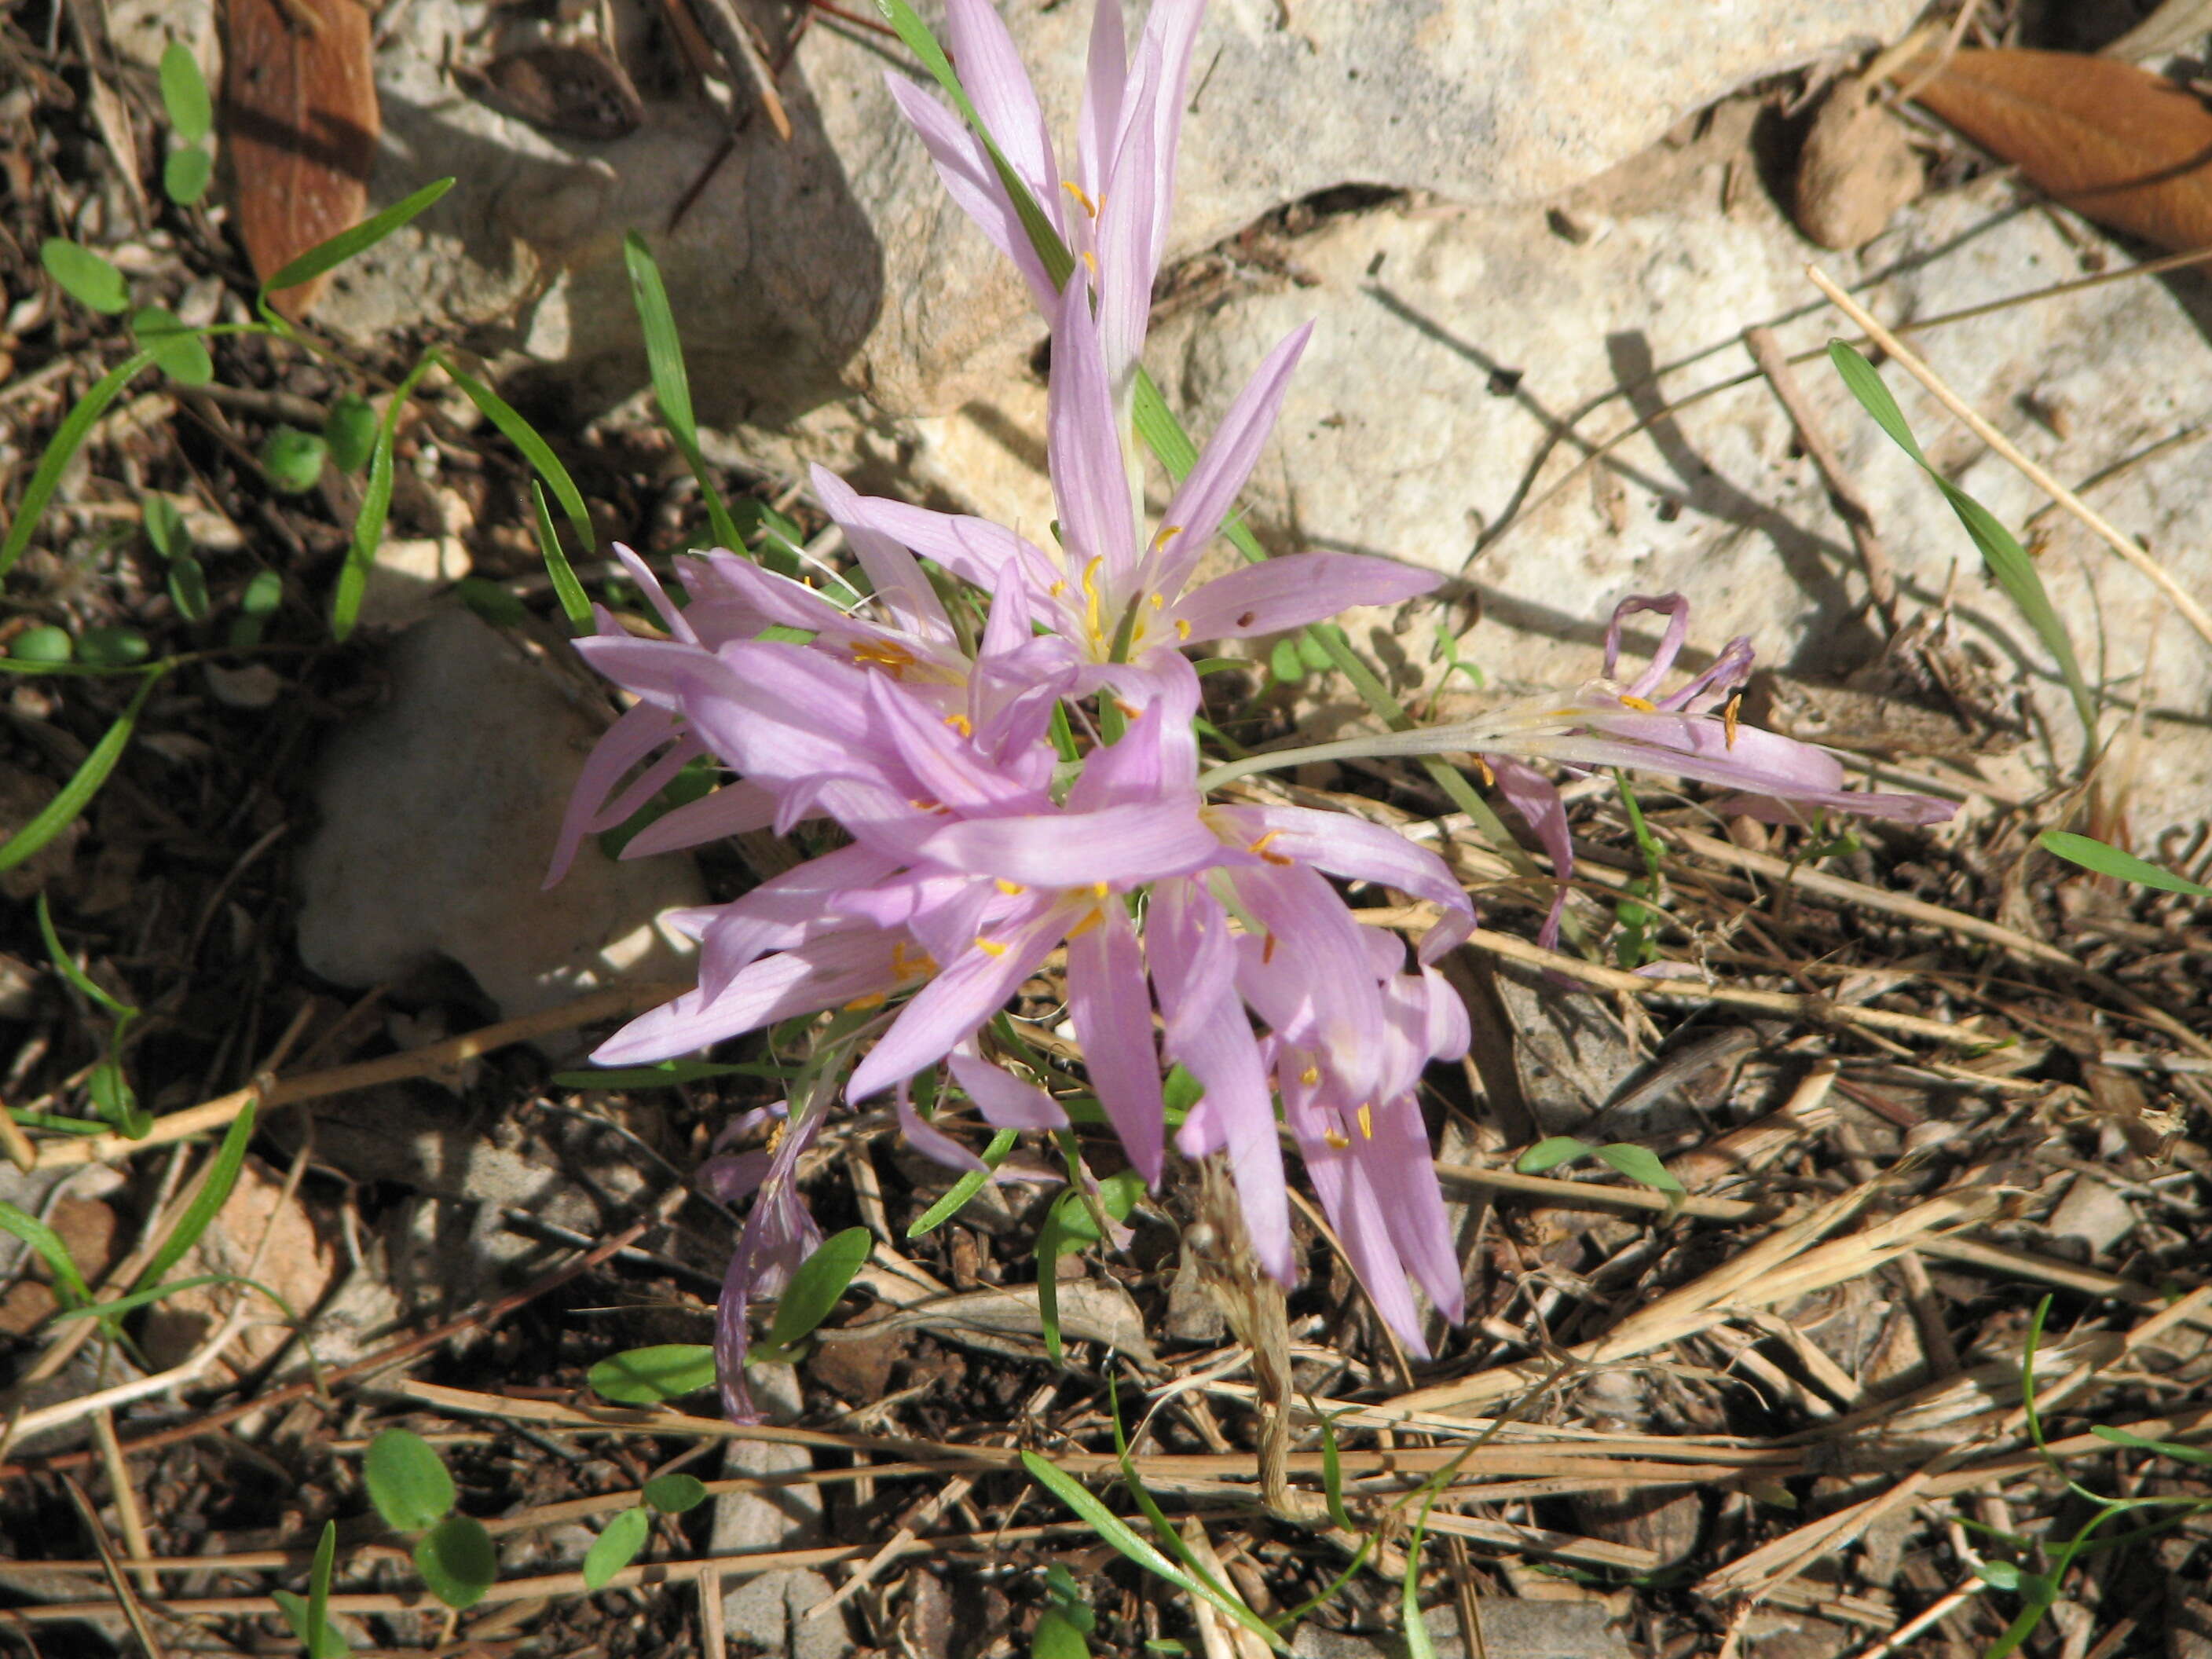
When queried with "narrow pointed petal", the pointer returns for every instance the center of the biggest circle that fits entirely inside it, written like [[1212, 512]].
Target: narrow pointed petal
[[979, 552], [1083, 442], [732, 810], [949, 1009], [791, 981], [1351, 848], [1537, 800], [892, 572], [991, 70], [1105, 76], [1005, 1101], [1139, 842], [1677, 609], [1295, 589], [1194, 515], [964, 168], [925, 1138], [649, 585], [945, 765], [1112, 1008], [641, 730], [1356, 1211]]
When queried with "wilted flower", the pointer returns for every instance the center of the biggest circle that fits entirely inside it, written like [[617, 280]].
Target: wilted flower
[[778, 1234]]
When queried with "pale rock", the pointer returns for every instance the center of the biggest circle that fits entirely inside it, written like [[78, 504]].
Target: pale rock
[[1512, 1629], [834, 262], [440, 810], [769, 1611], [261, 1233], [2093, 1212], [405, 580]]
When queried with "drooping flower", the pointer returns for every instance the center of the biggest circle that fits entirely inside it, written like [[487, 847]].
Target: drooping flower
[[1692, 731], [778, 1234]]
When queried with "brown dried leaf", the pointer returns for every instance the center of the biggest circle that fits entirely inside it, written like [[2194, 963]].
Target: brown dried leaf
[[2130, 149], [578, 90], [300, 123]]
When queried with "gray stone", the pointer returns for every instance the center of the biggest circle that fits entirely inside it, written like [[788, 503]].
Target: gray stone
[[1510, 1630], [439, 813], [769, 1613], [833, 261]]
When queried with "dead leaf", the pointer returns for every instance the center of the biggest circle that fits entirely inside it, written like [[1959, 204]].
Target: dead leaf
[[2130, 149], [299, 1263], [1857, 169], [578, 90], [300, 122]]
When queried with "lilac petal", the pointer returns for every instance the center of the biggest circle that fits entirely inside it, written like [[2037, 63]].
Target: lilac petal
[[1536, 798], [649, 585], [945, 765], [1194, 515], [977, 550], [1139, 842], [1005, 1101], [1398, 1165], [991, 72], [803, 980], [925, 1138], [1105, 75], [952, 1006], [1193, 965], [1146, 764], [1295, 589], [891, 570], [733, 1176], [1308, 975], [641, 730], [965, 167], [1363, 1225], [1112, 1008], [732, 810], [1678, 629], [1730, 670], [1125, 241], [1089, 475], [1350, 848]]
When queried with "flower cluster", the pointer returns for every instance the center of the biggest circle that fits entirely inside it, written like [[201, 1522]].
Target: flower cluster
[[1003, 735]]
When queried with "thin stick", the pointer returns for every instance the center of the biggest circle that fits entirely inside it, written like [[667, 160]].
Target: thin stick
[[2125, 546], [128, 1513], [1843, 494], [268, 1093]]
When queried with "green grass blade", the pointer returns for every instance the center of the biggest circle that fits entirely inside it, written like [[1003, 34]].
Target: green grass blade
[[68, 1283], [77, 794], [65, 965], [1118, 1534], [2008, 561], [214, 1193], [574, 603], [2106, 860], [1418, 1643], [957, 1196], [375, 507], [319, 1643], [535, 450], [61, 448], [328, 256], [671, 384]]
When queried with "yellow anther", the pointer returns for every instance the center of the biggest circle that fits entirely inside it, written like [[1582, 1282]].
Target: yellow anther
[[1090, 262], [1268, 950], [1099, 890], [1057, 589], [1081, 195], [959, 723], [1336, 1138], [1366, 1122], [923, 804], [883, 654], [1182, 628], [1129, 710], [1010, 889], [1090, 921], [1159, 601], [1259, 849], [1641, 705], [1311, 1076], [1168, 532], [1730, 715], [989, 946], [861, 1004], [919, 964], [1489, 777], [1090, 599]]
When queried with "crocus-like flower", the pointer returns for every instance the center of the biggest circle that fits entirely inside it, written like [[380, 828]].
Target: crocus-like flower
[[1116, 600], [1112, 211], [1692, 731]]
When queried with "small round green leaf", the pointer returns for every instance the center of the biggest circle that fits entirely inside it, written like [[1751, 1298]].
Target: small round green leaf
[[293, 459], [42, 644], [1552, 1152], [263, 594], [185, 93], [816, 1285], [672, 1494], [1639, 1164], [165, 525], [188, 588], [84, 275], [646, 1377], [113, 648], [1285, 663], [1057, 1637], [615, 1547], [1314, 654], [407, 1480], [186, 174], [1999, 1575], [178, 350], [349, 429], [456, 1561]]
